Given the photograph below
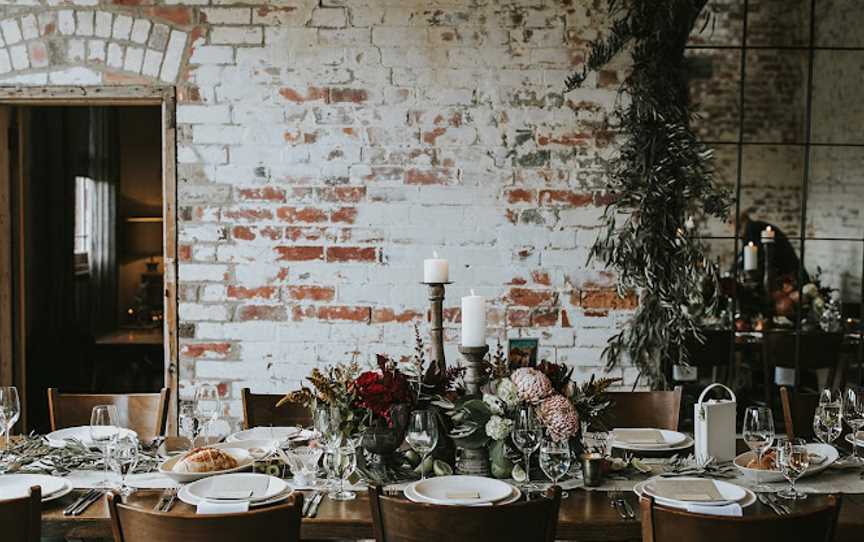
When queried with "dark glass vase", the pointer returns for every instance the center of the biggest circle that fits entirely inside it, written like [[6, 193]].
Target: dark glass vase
[[383, 439]]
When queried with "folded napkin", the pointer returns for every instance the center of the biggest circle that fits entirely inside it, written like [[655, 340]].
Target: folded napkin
[[732, 510], [686, 490], [639, 436], [207, 507], [150, 480]]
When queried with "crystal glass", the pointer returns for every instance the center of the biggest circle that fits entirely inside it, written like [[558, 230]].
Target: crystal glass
[[828, 422], [188, 428], [208, 408], [793, 459], [10, 410], [527, 434], [122, 458], [853, 414], [103, 428], [555, 459], [341, 461], [303, 461], [422, 434], [758, 431]]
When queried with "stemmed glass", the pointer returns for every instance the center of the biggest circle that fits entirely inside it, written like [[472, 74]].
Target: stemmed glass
[[103, 428], [555, 459], [208, 407], [10, 410], [828, 422], [326, 421], [758, 431], [188, 423], [123, 457], [527, 434], [853, 413], [342, 460], [793, 459], [422, 435]]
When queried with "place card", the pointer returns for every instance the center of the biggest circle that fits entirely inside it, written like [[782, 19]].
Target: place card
[[639, 436], [462, 495], [686, 490]]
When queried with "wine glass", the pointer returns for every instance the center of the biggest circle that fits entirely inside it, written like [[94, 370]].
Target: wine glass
[[758, 431], [555, 459], [342, 460], [527, 434], [10, 410], [123, 457], [208, 407], [188, 423], [103, 428], [422, 435], [793, 460], [828, 422], [853, 414]]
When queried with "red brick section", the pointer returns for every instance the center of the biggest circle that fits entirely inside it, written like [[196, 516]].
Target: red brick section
[[267, 193], [261, 312], [520, 195], [310, 94], [565, 198], [248, 213], [214, 350], [300, 253], [176, 14], [526, 297], [184, 252], [353, 95], [387, 315], [301, 214], [311, 293], [518, 317], [544, 317], [352, 254], [541, 277], [263, 292], [605, 299], [342, 194], [333, 312], [435, 175], [343, 215]]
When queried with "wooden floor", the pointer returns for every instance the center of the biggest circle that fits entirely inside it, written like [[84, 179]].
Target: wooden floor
[[585, 516]]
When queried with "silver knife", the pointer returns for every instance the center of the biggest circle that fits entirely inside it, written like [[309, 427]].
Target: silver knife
[[162, 500], [630, 513], [71, 508], [313, 511], [308, 503], [767, 502], [87, 502]]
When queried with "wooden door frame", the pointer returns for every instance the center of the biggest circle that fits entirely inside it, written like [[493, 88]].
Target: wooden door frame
[[165, 97]]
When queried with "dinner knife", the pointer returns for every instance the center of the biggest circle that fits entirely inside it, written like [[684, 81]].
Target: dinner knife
[[170, 503], [629, 509], [87, 502], [308, 503], [313, 511], [71, 508]]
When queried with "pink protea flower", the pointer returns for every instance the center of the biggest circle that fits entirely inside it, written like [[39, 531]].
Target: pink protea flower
[[532, 385], [559, 416]]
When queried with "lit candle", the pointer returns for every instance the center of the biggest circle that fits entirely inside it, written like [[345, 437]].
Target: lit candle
[[751, 257], [436, 269], [473, 320], [768, 234]]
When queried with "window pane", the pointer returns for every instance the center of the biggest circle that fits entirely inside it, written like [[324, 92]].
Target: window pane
[[775, 96], [725, 175], [714, 92], [835, 200], [839, 23], [725, 23], [783, 23], [838, 107], [837, 265], [771, 185]]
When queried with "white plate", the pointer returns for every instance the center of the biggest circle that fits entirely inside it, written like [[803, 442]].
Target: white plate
[[729, 492], [435, 490], [271, 433], [60, 494], [688, 443], [57, 439], [857, 442], [191, 500], [672, 439], [214, 488], [766, 476], [15, 486], [412, 495], [243, 457], [638, 489]]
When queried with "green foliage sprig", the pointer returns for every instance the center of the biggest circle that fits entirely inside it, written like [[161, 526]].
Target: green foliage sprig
[[662, 175]]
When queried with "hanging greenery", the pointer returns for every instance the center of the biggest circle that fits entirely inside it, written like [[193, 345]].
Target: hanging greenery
[[661, 176]]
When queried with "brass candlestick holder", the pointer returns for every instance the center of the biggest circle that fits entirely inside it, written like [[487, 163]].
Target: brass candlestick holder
[[436, 328], [476, 461]]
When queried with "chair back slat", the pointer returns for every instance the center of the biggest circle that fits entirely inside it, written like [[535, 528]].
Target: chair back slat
[[144, 413], [269, 524], [398, 520], [259, 410], [21, 519], [658, 409], [661, 524]]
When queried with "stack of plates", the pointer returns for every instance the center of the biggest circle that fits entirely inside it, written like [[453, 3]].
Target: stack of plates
[[57, 439], [256, 489], [280, 434], [15, 486], [462, 491], [687, 491], [646, 439]]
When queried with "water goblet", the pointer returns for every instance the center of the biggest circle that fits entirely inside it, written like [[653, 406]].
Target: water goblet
[[853, 414], [103, 428], [828, 422], [555, 459], [422, 435], [10, 410], [123, 457], [793, 460], [758, 431], [342, 462], [208, 407], [527, 434]]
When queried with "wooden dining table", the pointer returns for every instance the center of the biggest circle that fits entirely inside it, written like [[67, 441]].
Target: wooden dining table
[[585, 516]]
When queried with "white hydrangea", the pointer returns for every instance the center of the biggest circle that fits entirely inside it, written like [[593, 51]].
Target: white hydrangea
[[810, 290], [498, 428], [507, 392], [495, 404]]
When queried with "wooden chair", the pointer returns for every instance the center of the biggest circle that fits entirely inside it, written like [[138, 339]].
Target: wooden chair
[[658, 409], [259, 410], [398, 520], [669, 525], [798, 412], [21, 519], [269, 524], [144, 413]]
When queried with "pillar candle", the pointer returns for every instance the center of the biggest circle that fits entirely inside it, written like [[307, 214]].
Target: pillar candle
[[751, 257], [473, 320], [436, 269]]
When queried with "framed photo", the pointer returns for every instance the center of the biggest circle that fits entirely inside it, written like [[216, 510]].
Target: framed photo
[[522, 352]]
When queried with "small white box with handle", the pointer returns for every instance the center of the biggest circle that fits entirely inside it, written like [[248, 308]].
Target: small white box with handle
[[714, 426]]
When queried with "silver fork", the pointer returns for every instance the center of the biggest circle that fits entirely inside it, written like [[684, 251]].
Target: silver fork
[[615, 502], [779, 504]]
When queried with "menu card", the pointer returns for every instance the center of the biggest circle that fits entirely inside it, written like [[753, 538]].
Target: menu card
[[686, 490], [639, 436]]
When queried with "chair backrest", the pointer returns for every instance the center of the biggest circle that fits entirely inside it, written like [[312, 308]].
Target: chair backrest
[[144, 413], [815, 350], [667, 525], [798, 412], [398, 520], [658, 409], [21, 519], [259, 410], [269, 524]]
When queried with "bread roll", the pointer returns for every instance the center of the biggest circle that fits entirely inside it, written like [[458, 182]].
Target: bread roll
[[205, 460]]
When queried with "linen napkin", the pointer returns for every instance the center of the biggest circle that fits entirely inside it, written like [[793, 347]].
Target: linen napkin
[[731, 510], [686, 490], [639, 436], [207, 507]]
